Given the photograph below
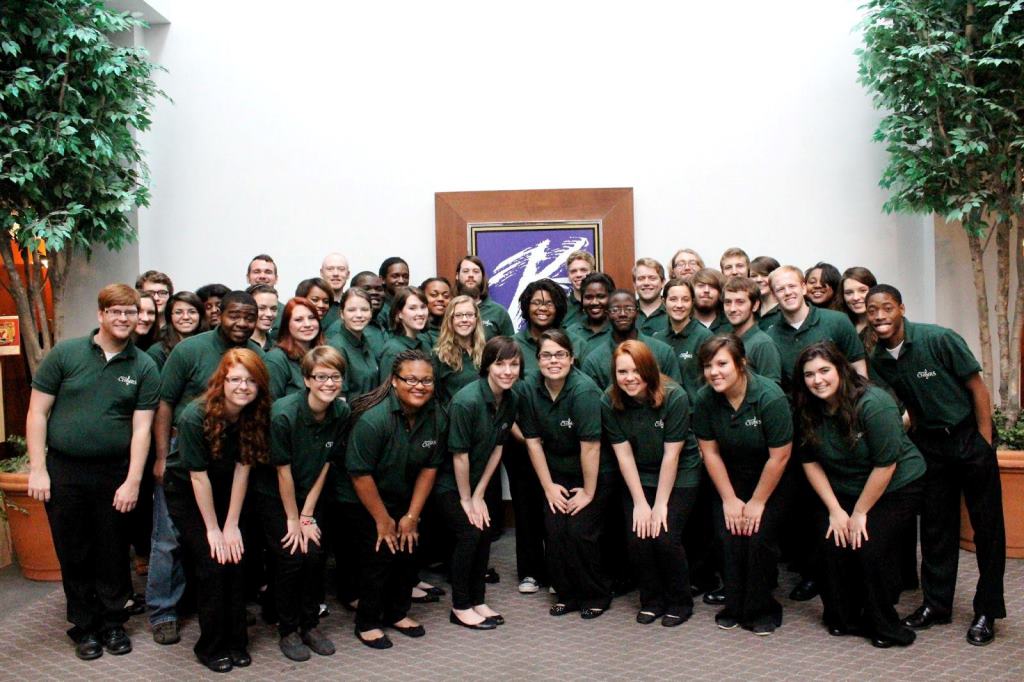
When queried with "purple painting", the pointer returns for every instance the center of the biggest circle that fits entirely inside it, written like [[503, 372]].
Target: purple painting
[[516, 255]]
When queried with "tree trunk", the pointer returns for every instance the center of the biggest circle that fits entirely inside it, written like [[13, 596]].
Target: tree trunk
[[57, 274], [1003, 228], [1012, 408], [19, 292], [981, 299]]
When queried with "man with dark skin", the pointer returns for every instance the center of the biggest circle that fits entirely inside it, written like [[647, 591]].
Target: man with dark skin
[[394, 273], [937, 377]]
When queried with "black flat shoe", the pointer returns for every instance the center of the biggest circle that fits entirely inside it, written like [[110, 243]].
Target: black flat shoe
[[410, 631], [560, 609], [218, 664], [591, 614], [924, 618], [486, 624], [805, 590], [434, 590], [381, 642], [837, 631], [715, 597], [88, 648], [671, 620], [498, 619], [647, 617], [491, 577], [240, 658], [982, 631], [116, 642], [428, 598]]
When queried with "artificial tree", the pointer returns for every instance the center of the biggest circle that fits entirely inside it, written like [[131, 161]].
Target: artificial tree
[[949, 77], [71, 168]]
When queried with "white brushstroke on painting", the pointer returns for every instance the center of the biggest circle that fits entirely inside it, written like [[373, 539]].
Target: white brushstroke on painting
[[533, 263]]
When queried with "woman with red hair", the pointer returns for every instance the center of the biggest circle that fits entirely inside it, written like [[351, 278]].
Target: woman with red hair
[[220, 436], [300, 331], [647, 418]]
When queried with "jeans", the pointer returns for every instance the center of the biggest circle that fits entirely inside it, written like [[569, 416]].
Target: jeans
[[166, 581]]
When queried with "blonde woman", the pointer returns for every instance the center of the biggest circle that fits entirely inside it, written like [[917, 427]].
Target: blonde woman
[[460, 345]]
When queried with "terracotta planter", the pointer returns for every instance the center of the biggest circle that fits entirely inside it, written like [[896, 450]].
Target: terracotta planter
[[30, 530], [1011, 476]]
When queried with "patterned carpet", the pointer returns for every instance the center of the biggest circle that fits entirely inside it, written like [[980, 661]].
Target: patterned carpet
[[534, 645]]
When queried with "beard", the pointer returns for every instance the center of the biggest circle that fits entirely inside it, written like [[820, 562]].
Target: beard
[[705, 308], [471, 290]]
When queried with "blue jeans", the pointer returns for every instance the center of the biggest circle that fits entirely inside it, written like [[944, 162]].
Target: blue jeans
[[166, 581]]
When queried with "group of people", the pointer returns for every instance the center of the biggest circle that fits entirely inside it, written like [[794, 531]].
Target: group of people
[[680, 437]]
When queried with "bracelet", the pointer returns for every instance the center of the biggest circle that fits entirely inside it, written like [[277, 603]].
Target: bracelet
[[308, 516], [412, 518], [308, 521]]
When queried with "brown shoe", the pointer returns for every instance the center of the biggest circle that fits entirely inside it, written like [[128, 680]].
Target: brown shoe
[[166, 632]]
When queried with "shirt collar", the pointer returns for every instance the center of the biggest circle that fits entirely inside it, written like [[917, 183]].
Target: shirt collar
[[126, 353]]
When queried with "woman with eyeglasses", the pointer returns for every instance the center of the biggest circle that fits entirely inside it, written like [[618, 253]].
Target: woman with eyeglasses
[[744, 428], [407, 322], [307, 430], [394, 449], [220, 437], [300, 331], [146, 329], [481, 417], [351, 340], [184, 316], [542, 304], [459, 348], [560, 417]]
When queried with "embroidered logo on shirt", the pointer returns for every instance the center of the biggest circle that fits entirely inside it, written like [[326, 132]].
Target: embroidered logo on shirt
[[685, 355], [566, 423], [753, 421], [660, 424], [926, 374], [329, 444], [428, 443], [127, 380], [488, 323]]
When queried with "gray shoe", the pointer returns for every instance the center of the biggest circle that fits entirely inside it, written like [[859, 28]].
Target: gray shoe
[[166, 632], [316, 641], [293, 648]]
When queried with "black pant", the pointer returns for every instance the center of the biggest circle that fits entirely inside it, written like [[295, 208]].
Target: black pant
[[660, 563], [574, 548], [528, 506], [961, 462], [750, 569], [346, 554], [798, 533], [470, 555], [141, 518], [861, 585], [700, 540], [614, 554], [220, 589], [90, 537], [298, 577], [386, 579]]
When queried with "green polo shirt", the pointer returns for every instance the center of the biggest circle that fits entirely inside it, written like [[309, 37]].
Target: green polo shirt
[[95, 399], [362, 373], [398, 344], [573, 311], [583, 338], [655, 322], [159, 354], [719, 325], [447, 381], [647, 429], [819, 325], [598, 365], [769, 319], [528, 345], [381, 319], [191, 364], [476, 426], [285, 374], [495, 319], [685, 345], [762, 421], [929, 375], [762, 355], [381, 444], [192, 453], [881, 441], [573, 417], [298, 440], [432, 332]]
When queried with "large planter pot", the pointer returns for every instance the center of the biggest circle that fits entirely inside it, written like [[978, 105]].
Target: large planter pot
[[30, 530], [1011, 476]]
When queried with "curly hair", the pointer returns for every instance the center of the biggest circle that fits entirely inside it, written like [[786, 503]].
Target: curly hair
[[810, 409], [448, 349], [253, 422]]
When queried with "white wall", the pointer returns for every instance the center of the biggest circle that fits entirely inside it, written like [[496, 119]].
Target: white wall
[[331, 125]]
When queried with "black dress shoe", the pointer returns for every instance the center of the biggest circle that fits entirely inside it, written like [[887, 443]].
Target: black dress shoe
[[647, 617], [116, 642], [491, 576], [715, 597], [382, 642], [88, 647], [590, 614], [135, 605], [410, 631], [671, 620], [805, 590], [837, 631], [218, 664], [924, 618], [561, 609], [427, 598], [434, 590], [240, 658], [485, 624], [982, 631]]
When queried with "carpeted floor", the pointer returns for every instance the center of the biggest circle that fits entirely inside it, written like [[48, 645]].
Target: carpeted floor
[[534, 645]]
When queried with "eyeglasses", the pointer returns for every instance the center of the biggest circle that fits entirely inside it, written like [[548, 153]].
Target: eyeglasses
[[464, 316], [185, 312], [685, 263], [536, 303], [622, 309], [557, 355], [159, 293], [412, 382], [324, 378], [239, 381], [121, 312]]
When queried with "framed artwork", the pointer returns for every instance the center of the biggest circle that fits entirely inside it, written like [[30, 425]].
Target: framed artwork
[[525, 235]]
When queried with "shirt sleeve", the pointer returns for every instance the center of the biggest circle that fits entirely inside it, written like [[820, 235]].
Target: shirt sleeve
[[280, 439], [677, 415], [279, 373], [441, 435], [527, 417], [364, 446], [50, 372], [192, 446], [703, 424], [956, 356], [592, 366], [610, 418], [776, 422], [586, 411], [847, 340], [174, 376], [505, 324], [149, 385], [669, 364], [460, 429], [883, 428], [768, 361]]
